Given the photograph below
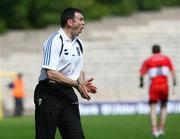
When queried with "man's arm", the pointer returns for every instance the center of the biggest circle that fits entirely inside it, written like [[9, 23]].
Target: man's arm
[[172, 70], [174, 77], [82, 77], [142, 72], [62, 79]]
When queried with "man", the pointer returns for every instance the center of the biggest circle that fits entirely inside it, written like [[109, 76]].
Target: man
[[157, 66], [56, 104], [18, 94]]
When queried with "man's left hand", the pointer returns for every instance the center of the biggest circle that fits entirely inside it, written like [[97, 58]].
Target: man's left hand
[[90, 87]]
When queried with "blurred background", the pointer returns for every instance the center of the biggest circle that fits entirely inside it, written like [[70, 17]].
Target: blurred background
[[117, 37]]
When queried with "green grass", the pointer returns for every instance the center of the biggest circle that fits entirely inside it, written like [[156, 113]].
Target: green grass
[[96, 127]]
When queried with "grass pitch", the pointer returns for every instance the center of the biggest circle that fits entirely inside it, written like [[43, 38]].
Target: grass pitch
[[96, 127]]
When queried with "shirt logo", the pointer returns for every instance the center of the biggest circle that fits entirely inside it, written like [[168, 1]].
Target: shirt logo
[[66, 52], [39, 101]]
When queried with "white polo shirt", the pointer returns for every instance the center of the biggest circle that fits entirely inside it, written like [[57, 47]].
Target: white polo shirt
[[65, 57]]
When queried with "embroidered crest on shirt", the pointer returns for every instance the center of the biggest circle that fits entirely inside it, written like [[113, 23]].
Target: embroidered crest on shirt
[[66, 52]]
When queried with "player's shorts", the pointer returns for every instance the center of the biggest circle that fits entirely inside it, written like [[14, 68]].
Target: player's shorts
[[158, 92]]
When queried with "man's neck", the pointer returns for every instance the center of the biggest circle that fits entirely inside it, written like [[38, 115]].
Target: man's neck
[[69, 33]]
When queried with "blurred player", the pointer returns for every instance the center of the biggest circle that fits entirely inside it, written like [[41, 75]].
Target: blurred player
[[18, 94], [157, 67]]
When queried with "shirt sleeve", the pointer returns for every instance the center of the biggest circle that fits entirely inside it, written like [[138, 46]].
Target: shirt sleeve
[[171, 67], [51, 51], [144, 68]]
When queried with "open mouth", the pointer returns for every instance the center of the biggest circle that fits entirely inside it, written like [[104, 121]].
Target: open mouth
[[81, 29]]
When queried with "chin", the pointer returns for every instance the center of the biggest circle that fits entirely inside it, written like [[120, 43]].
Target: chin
[[78, 33]]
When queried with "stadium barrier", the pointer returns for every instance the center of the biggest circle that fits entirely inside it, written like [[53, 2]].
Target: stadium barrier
[[123, 108]]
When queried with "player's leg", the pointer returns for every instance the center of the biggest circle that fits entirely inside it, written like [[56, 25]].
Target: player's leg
[[70, 124], [19, 107], [15, 106], [163, 110], [153, 99], [46, 112], [45, 124], [153, 119], [163, 115]]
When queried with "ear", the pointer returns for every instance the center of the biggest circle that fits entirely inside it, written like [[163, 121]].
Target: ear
[[70, 22]]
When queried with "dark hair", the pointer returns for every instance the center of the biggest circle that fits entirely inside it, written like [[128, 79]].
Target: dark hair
[[68, 13], [156, 48], [19, 75]]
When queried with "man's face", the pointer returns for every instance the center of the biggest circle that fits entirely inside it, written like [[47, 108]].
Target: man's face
[[78, 24]]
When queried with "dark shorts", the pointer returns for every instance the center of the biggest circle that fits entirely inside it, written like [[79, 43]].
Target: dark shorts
[[56, 107], [158, 92]]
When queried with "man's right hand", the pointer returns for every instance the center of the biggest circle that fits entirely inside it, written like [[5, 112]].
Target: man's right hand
[[83, 91], [141, 85]]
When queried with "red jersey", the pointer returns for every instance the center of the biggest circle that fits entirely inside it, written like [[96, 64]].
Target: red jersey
[[157, 67]]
